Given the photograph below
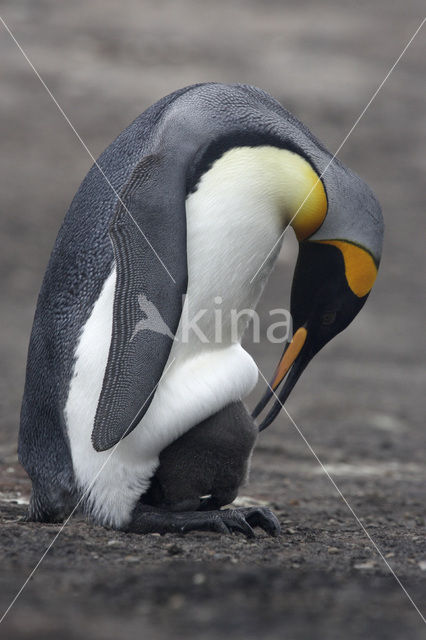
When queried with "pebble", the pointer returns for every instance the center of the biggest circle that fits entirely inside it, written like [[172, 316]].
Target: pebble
[[422, 565], [199, 578], [364, 566], [174, 549], [132, 558], [246, 501], [333, 550]]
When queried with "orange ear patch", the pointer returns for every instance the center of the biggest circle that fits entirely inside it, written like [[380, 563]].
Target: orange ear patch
[[360, 270]]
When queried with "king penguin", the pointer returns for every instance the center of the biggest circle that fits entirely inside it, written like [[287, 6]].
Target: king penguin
[[125, 412]]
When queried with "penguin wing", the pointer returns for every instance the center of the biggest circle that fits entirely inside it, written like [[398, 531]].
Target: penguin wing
[[148, 234]]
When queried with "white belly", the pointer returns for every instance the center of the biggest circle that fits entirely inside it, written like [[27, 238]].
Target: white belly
[[229, 233]]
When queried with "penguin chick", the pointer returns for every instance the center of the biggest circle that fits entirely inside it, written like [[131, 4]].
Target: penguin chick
[[211, 459]]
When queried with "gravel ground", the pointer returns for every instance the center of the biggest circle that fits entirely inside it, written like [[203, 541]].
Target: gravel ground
[[360, 405]]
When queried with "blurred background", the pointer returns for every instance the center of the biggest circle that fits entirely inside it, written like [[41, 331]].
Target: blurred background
[[361, 404]]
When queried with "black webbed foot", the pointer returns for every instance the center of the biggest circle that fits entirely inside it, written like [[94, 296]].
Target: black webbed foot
[[262, 517], [241, 520]]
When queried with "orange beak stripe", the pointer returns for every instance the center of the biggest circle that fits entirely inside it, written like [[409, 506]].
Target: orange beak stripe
[[289, 356]]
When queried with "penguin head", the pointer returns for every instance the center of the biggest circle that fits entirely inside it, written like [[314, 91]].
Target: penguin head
[[336, 268]]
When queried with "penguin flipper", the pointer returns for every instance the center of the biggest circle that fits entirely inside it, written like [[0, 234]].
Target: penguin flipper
[[148, 233]]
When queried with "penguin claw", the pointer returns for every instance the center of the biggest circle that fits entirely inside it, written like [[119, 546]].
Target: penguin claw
[[264, 518], [241, 520], [236, 522], [225, 521], [203, 523]]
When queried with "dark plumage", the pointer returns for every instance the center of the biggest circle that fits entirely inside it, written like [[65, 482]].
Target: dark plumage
[[211, 459]]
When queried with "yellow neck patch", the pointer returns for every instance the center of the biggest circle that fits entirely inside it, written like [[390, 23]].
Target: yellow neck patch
[[309, 201], [281, 177], [360, 270]]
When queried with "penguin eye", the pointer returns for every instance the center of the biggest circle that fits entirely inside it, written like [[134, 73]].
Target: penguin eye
[[328, 317]]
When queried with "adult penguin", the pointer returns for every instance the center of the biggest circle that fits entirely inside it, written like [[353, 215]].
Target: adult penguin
[[192, 198]]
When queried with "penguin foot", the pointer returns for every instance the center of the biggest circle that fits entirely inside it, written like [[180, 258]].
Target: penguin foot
[[50, 504], [241, 520]]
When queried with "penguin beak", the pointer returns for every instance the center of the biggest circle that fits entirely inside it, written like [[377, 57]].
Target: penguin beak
[[292, 364]]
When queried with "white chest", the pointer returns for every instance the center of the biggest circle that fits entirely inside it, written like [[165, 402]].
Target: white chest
[[232, 225]]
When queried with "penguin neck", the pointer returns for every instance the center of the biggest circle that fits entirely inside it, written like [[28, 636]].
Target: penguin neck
[[281, 178]]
